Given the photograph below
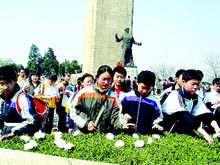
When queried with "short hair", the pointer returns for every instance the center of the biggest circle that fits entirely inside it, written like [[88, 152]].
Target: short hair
[[52, 77], [201, 73], [179, 72], [7, 73], [103, 69], [120, 69], [20, 68], [216, 81], [191, 74], [147, 77], [65, 73], [86, 75]]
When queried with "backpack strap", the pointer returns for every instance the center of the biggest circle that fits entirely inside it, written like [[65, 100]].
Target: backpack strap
[[17, 103]]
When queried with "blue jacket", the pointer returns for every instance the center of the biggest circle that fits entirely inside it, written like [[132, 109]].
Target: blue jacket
[[145, 111]]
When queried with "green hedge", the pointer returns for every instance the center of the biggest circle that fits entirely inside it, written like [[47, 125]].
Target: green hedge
[[169, 149]]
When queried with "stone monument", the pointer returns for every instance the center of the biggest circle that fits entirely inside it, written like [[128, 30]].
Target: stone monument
[[103, 19]]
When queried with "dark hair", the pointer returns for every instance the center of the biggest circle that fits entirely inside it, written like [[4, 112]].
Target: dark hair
[[201, 74], [191, 74], [20, 68], [52, 77], [120, 69], [65, 73], [171, 79], [147, 77], [86, 75], [33, 72], [179, 72], [103, 69], [216, 81], [7, 73]]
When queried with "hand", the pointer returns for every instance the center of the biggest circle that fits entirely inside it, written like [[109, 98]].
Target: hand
[[129, 126], [91, 126], [7, 136], [70, 131], [126, 117], [158, 127]]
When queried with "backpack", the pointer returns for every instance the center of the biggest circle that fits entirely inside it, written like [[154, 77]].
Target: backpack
[[39, 108]]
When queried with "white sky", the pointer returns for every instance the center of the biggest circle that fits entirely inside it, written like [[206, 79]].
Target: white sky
[[176, 33]]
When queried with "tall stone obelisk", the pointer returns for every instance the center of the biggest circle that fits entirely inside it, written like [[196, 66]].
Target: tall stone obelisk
[[104, 18]]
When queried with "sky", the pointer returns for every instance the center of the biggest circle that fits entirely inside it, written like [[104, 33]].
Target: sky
[[181, 34]]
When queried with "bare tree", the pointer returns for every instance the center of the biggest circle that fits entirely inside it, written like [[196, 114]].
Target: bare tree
[[213, 64], [163, 71]]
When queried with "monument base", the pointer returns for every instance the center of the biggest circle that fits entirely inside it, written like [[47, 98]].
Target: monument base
[[131, 71]]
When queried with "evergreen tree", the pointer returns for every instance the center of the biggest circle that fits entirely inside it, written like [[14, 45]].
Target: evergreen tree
[[72, 67], [50, 63], [35, 59]]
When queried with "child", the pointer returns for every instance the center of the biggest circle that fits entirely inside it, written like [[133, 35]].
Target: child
[[13, 123], [48, 92], [88, 102], [185, 110], [34, 81], [141, 107]]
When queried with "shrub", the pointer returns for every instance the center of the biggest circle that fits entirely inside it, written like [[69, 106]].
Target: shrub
[[169, 149]]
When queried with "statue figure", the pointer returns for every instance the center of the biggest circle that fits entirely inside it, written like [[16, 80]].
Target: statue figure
[[127, 42]]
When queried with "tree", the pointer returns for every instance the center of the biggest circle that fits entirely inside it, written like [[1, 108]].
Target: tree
[[163, 71], [72, 67], [213, 64], [35, 59], [50, 63]]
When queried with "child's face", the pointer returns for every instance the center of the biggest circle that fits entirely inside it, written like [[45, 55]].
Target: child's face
[[119, 79], [88, 81], [104, 81], [34, 78], [51, 82], [7, 86], [191, 86], [144, 89], [216, 87], [67, 77]]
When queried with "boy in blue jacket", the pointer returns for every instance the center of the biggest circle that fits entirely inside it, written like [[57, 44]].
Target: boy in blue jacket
[[141, 107]]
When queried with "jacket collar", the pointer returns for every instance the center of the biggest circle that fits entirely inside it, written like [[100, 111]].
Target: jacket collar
[[138, 94]]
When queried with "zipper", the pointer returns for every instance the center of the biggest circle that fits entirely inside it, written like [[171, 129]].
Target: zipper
[[139, 104]]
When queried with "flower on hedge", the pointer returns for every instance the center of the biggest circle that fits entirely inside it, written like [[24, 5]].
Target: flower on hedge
[[76, 133], [156, 136], [110, 136], [68, 146], [119, 143], [139, 143], [149, 140], [135, 136], [60, 143], [25, 138], [57, 135], [216, 135], [39, 135], [30, 145]]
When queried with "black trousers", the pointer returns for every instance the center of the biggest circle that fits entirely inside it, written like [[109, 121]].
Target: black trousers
[[49, 121], [62, 118], [185, 122]]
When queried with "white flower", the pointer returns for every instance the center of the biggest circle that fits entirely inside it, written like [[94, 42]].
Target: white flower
[[156, 136], [216, 135], [25, 138], [39, 135], [68, 146], [149, 140], [58, 135], [119, 143], [139, 143], [33, 143], [28, 146], [110, 136], [60, 143], [76, 133], [135, 136]]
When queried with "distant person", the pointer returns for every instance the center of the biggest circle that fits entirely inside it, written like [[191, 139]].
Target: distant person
[[141, 107], [22, 78], [185, 111], [11, 122], [34, 82], [134, 84], [48, 91]]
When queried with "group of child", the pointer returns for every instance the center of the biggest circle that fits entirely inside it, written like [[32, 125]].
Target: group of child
[[105, 104]]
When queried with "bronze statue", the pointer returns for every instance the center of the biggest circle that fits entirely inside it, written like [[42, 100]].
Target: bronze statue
[[127, 42]]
